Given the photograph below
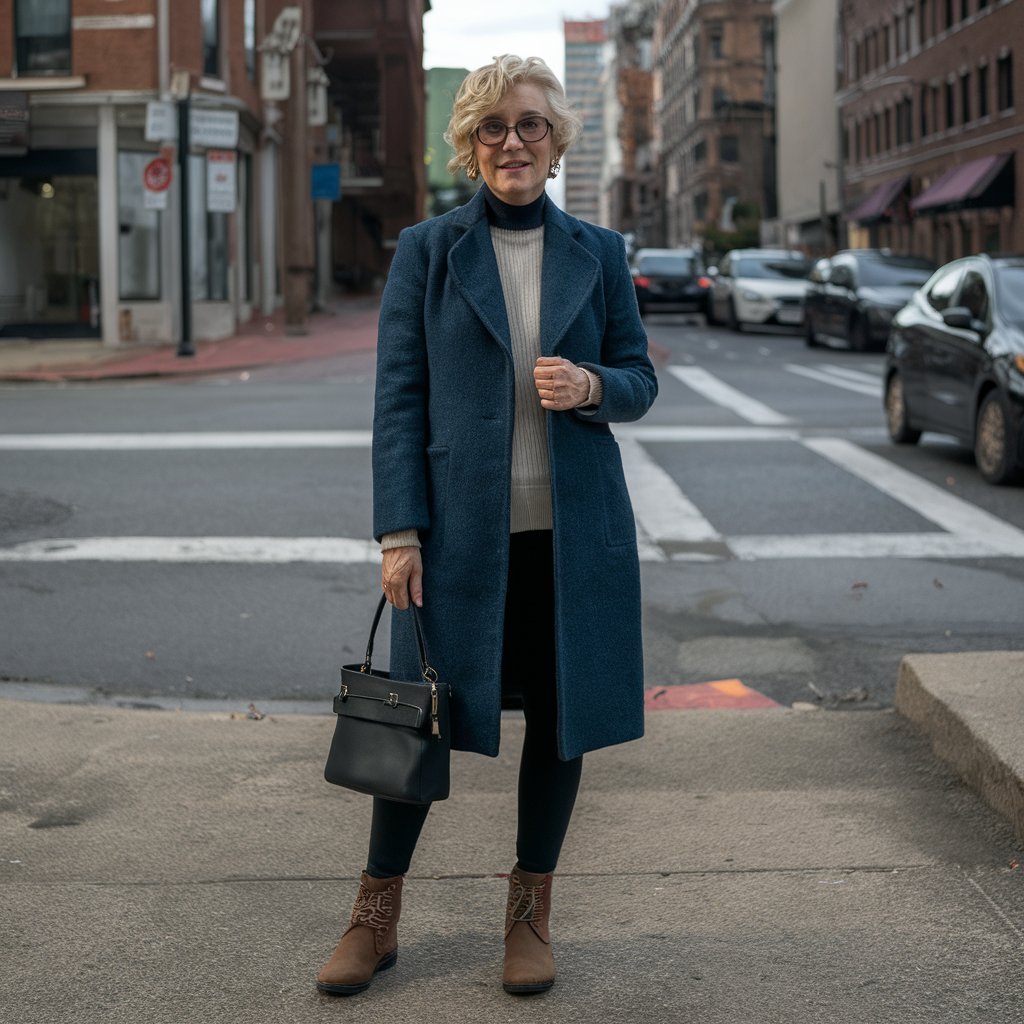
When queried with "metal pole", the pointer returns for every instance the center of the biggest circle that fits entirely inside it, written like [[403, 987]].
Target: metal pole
[[185, 346], [298, 207]]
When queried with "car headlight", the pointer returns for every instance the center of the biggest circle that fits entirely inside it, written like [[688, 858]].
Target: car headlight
[[751, 296]]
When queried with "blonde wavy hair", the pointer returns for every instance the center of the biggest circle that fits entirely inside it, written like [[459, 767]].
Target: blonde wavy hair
[[482, 90]]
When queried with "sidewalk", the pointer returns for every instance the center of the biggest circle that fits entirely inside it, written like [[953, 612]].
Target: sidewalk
[[745, 867], [349, 326]]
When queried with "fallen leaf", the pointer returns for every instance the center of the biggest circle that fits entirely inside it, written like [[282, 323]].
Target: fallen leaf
[[937, 584], [951, 481], [151, 655], [859, 585]]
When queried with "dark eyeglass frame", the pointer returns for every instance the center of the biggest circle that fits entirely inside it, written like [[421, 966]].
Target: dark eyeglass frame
[[513, 127]]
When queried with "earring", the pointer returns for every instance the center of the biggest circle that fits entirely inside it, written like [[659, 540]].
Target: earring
[[556, 166]]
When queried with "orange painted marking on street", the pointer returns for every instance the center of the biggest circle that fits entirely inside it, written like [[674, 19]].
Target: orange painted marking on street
[[721, 695]]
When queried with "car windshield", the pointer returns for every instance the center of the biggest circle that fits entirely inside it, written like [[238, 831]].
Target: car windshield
[[771, 267], [1010, 293], [893, 273], [675, 266]]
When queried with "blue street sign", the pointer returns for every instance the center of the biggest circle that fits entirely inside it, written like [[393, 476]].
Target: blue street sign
[[327, 181]]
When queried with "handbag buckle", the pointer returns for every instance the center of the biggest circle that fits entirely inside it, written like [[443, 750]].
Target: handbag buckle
[[392, 700], [344, 691]]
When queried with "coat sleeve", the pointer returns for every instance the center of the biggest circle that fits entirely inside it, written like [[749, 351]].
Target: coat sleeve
[[400, 403], [628, 380]]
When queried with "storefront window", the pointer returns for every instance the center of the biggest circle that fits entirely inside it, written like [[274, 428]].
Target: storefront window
[[139, 235], [209, 235], [43, 30], [211, 37]]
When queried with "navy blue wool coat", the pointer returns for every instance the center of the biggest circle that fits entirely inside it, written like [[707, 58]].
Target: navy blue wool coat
[[442, 450]]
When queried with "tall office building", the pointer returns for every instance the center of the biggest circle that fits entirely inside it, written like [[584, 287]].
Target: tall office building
[[584, 64]]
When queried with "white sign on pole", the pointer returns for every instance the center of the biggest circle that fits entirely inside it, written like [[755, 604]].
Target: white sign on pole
[[221, 186], [275, 81], [217, 129], [161, 121]]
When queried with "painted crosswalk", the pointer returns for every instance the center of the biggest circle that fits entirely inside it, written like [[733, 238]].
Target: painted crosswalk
[[670, 526]]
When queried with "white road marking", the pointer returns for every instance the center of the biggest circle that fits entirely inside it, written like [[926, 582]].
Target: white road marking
[[254, 439], [723, 394], [859, 375], [662, 510], [859, 545], [960, 518], [251, 550], [187, 440], [860, 387]]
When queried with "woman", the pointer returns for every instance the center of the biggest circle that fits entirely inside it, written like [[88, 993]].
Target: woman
[[509, 339]]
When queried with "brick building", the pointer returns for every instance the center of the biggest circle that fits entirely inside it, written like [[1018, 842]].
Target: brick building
[[629, 194], [933, 124], [716, 69], [91, 228]]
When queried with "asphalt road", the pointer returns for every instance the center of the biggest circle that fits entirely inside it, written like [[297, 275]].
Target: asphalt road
[[785, 541]]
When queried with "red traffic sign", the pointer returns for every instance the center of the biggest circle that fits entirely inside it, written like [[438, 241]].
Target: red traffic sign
[[157, 175]]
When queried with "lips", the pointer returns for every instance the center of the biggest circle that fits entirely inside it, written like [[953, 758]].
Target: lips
[[516, 166]]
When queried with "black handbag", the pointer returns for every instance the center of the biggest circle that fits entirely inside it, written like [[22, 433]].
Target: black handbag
[[392, 739]]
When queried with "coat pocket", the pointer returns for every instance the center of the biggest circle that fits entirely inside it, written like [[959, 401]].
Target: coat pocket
[[619, 525], [437, 496]]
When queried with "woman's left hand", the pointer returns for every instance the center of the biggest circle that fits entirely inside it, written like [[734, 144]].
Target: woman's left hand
[[561, 385]]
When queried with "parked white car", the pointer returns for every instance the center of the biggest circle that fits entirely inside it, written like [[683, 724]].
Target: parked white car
[[759, 286]]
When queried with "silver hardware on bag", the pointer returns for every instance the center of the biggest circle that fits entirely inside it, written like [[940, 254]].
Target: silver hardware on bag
[[344, 691], [392, 700]]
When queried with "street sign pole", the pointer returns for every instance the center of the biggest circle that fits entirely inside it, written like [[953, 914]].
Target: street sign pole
[[185, 345]]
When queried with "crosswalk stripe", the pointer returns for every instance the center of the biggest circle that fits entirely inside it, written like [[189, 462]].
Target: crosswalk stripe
[[953, 514], [872, 388], [185, 440], [845, 371], [717, 391], [765, 547], [663, 512]]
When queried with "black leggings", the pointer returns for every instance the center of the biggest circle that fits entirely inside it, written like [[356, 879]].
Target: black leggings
[[547, 785]]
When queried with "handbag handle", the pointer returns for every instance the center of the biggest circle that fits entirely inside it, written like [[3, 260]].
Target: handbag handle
[[429, 674]]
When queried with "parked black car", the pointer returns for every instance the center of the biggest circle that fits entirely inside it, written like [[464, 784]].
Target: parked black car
[[670, 279], [955, 363], [854, 295]]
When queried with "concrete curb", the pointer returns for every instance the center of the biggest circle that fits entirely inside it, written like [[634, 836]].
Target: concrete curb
[[971, 706]]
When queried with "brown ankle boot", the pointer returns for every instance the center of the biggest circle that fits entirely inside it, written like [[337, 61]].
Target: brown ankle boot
[[529, 965], [370, 943]]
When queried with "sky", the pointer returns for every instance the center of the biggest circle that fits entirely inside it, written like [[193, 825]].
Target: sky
[[469, 33]]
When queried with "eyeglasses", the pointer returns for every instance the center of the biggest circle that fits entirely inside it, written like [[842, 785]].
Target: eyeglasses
[[530, 129]]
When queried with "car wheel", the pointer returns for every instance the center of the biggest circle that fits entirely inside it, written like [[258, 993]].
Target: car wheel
[[859, 339], [994, 444], [810, 336], [733, 321], [897, 418]]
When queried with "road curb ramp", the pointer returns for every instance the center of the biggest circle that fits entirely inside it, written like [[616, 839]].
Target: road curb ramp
[[971, 707]]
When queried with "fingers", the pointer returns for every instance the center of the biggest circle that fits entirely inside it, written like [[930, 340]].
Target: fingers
[[401, 576], [561, 385]]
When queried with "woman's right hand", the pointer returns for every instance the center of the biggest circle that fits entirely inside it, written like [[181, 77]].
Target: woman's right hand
[[401, 576]]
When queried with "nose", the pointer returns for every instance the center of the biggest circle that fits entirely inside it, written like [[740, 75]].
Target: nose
[[512, 140]]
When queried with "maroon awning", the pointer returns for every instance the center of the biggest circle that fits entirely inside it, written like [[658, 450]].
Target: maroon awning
[[877, 205], [976, 183]]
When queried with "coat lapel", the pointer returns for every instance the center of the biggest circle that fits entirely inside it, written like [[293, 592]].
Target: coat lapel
[[570, 273], [474, 269]]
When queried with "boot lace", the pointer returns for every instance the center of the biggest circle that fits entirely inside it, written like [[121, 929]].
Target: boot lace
[[525, 902], [373, 909]]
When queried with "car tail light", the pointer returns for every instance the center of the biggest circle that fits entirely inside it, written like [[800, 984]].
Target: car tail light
[[704, 282], [642, 282]]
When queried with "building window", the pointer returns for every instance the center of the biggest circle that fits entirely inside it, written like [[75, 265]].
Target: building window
[[1004, 81], [249, 37], [982, 4], [965, 9], [935, 108], [950, 18], [965, 97], [950, 94], [922, 110], [729, 149], [700, 206], [42, 31], [138, 239], [211, 37], [983, 91], [720, 98], [700, 152], [924, 21], [209, 233], [715, 36]]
